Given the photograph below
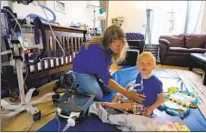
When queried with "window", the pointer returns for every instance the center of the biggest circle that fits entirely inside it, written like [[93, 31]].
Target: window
[[175, 17]]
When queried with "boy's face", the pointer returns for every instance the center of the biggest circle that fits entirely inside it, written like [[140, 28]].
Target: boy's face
[[146, 66]]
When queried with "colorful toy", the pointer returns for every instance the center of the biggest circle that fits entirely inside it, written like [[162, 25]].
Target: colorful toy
[[173, 126], [178, 103], [172, 90]]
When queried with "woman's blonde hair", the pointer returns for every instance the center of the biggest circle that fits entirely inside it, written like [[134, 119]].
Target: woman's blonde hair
[[146, 55], [111, 34]]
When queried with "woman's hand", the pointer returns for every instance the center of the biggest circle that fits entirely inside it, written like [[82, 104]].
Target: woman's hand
[[104, 104], [135, 96]]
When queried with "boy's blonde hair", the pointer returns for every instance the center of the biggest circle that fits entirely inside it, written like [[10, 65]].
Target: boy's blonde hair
[[146, 55], [111, 34]]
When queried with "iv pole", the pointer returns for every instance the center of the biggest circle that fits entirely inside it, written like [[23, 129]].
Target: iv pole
[[94, 16]]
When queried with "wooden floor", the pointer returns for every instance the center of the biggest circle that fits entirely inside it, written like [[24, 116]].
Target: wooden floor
[[24, 122]]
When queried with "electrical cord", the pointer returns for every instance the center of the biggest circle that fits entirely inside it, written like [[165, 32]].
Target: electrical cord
[[15, 20], [41, 118], [16, 24], [59, 124]]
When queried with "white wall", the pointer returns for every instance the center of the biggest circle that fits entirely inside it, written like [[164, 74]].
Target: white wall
[[204, 20], [76, 11], [4, 3], [133, 12]]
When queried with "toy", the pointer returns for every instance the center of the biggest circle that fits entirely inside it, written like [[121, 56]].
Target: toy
[[139, 108], [184, 98], [172, 90], [169, 126], [178, 103], [173, 126], [182, 127]]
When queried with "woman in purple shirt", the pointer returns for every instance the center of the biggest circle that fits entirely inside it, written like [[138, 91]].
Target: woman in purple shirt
[[91, 64]]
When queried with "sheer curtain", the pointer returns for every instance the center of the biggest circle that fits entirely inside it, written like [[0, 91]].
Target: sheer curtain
[[195, 16], [168, 17], [175, 17], [180, 17]]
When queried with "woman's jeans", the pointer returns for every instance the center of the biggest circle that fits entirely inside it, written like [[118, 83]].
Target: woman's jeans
[[89, 84]]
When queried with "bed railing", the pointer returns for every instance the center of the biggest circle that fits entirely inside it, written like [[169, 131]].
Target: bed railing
[[71, 40]]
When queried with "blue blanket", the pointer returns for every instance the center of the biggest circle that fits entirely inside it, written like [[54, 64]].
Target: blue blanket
[[195, 121]]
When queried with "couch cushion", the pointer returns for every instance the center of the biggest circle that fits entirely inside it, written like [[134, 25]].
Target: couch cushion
[[190, 50], [195, 40], [197, 50], [178, 52], [175, 40], [179, 49], [177, 60]]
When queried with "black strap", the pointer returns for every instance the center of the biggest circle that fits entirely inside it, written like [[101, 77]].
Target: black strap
[[39, 25]]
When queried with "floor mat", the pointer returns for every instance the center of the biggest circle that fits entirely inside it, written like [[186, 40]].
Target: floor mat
[[195, 121]]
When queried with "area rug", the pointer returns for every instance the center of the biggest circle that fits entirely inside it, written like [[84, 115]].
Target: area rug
[[195, 121]]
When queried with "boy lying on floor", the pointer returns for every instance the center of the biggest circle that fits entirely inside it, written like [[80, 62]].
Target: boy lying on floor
[[149, 85]]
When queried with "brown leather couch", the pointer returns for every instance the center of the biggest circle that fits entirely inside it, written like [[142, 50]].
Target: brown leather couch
[[176, 49]]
